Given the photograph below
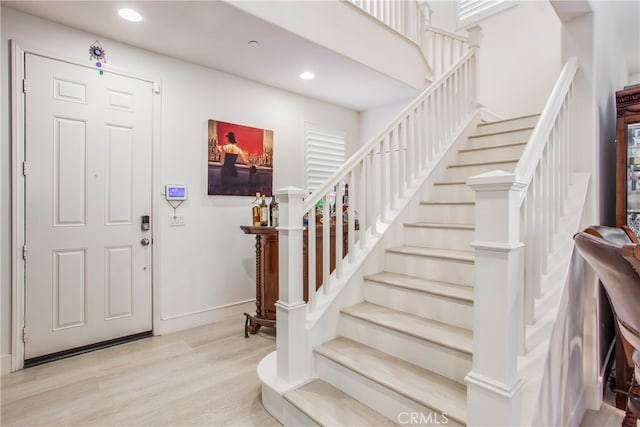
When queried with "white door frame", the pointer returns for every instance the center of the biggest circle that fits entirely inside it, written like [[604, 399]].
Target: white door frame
[[18, 144]]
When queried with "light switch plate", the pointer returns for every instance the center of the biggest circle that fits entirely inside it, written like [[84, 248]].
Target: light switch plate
[[176, 220]]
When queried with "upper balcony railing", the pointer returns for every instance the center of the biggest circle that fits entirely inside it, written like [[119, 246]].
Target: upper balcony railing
[[407, 17], [411, 18]]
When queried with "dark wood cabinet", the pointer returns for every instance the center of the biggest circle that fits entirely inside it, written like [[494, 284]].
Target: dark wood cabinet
[[628, 158], [267, 271], [627, 204]]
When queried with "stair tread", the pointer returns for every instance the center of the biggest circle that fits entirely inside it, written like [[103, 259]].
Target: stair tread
[[519, 129], [433, 252], [449, 290], [494, 162], [491, 147], [440, 225], [329, 406], [420, 385], [495, 122], [443, 334], [452, 202], [450, 183]]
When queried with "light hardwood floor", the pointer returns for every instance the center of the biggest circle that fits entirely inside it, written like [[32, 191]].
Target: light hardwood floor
[[204, 376]]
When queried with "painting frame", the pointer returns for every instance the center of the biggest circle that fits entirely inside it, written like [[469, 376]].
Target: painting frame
[[239, 159]]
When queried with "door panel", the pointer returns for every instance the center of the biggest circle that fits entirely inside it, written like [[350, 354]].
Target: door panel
[[69, 289], [69, 172], [88, 147]]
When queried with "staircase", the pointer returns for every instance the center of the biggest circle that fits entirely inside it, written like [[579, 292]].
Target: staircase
[[403, 353]]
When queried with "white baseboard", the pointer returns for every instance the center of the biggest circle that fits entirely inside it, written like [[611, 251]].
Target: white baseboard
[[179, 322], [489, 116], [593, 395], [578, 410], [5, 364]]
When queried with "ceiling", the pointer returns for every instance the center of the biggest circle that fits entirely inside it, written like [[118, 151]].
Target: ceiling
[[216, 35]]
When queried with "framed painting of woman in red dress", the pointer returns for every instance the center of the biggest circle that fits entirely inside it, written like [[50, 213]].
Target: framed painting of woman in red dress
[[239, 160]]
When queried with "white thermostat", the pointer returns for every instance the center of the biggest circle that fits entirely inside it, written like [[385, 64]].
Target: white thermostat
[[176, 192]]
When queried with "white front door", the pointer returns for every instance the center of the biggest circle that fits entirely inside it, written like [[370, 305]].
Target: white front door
[[88, 184]]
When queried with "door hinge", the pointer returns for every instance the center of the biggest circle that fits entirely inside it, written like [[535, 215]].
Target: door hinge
[[24, 252], [24, 85], [156, 88], [25, 168], [24, 334]]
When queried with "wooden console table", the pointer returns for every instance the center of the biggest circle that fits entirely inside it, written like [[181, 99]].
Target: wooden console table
[[267, 272]]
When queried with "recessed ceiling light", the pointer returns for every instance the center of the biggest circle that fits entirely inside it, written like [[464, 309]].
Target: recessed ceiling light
[[307, 76], [130, 15], [253, 43]]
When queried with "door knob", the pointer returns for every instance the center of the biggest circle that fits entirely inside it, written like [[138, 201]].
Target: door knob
[[145, 241]]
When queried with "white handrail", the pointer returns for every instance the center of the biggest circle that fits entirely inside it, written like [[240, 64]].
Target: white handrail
[[545, 166], [533, 151], [449, 34], [365, 150]]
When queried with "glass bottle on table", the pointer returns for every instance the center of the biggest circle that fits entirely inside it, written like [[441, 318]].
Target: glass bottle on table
[[273, 212], [255, 211], [264, 212]]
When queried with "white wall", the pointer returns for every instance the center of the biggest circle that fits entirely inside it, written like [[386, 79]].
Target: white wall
[[208, 263], [519, 55], [372, 122], [519, 59]]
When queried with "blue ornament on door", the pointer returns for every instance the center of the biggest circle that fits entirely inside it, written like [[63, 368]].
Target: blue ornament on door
[[98, 54]]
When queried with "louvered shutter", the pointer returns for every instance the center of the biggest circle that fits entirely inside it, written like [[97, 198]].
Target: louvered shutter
[[325, 154], [472, 11]]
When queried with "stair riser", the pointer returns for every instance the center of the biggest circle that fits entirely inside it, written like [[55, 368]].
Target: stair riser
[[462, 173], [441, 238], [443, 309], [483, 129], [445, 361], [501, 138], [457, 192], [295, 417], [387, 402], [440, 269], [451, 214], [491, 154]]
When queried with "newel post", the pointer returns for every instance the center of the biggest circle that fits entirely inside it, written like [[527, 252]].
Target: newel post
[[291, 337], [474, 36], [493, 386]]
